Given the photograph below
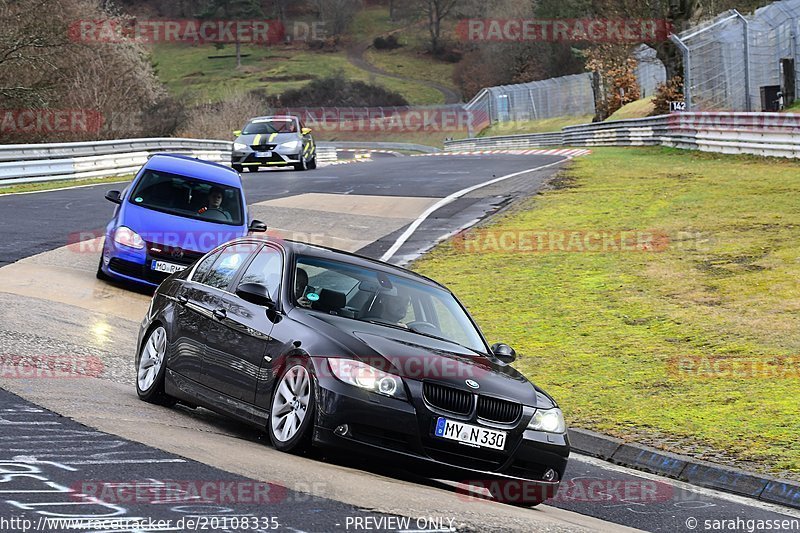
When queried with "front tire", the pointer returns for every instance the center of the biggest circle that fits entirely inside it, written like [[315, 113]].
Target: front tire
[[238, 168], [313, 163], [293, 406], [151, 367], [252, 168], [302, 165]]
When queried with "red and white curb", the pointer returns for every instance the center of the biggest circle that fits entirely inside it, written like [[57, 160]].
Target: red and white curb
[[571, 152]]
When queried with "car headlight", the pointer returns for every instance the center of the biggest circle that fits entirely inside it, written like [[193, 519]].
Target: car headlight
[[239, 146], [128, 237], [548, 420], [290, 146], [368, 377]]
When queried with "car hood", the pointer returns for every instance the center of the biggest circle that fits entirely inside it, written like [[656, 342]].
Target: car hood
[[176, 231], [421, 358], [268, 138]]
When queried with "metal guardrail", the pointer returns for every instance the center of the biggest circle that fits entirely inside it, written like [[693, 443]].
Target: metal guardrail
[[408, 147], [506, 142], [27, 163], [764, 134]]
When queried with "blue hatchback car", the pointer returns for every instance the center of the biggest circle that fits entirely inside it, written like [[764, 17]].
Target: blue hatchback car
[[175, 210]]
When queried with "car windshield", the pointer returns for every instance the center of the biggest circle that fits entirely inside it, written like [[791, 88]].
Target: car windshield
[[369, 295], [267, 126], [188, 197]]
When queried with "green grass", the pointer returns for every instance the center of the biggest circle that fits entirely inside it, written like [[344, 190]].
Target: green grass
[[49, 185], [638, 109], [546, 125], [371, 22], [190, 75], [413, 65], [601, 331]]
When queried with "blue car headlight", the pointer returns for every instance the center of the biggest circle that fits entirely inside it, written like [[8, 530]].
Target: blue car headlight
[[127, 237], [548, 420], [368, 377]]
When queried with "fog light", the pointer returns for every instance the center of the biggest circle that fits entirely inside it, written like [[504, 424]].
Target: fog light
[[342, 430], [550, 475]]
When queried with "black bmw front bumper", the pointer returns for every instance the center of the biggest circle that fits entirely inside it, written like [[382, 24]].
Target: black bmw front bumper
[[403, 430]]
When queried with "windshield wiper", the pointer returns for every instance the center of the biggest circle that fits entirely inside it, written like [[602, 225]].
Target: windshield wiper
[[410, 330]]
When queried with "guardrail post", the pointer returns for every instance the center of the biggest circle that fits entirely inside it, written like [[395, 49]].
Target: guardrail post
[[687, 70], [746, 36]]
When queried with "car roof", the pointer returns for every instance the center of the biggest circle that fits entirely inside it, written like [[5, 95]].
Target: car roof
[[274, 117], [195, 168], [323, 252]]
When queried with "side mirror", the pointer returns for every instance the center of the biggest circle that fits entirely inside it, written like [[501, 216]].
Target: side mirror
[[504, 352], [255, 293], [237, 133], [305, 131], [256, 226], [114, 196]]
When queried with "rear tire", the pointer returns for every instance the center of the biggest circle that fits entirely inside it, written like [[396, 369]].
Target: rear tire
[[252, 168], [151, 365], [293, 407]]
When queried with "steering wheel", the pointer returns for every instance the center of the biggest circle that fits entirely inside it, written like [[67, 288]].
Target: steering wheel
[[423, 327], [218, 214]]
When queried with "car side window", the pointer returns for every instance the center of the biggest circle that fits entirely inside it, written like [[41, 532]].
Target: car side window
[[227, 265], [266, 269], [204, 267]]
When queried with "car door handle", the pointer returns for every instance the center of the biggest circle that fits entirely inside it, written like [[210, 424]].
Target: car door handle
[[220, 313], [183, 300]]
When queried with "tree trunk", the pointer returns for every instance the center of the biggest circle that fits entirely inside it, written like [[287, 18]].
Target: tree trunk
[[238, 54], [672, 57]]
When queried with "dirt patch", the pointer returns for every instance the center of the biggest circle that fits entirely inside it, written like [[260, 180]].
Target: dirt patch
[[723, 266], [288, 77]]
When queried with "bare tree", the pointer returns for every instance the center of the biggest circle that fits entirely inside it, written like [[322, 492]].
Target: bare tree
[[436, 11]]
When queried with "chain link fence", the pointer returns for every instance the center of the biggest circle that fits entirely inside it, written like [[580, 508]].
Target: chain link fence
[[731, 63], [743, 63], [556, 97], [568, 96]]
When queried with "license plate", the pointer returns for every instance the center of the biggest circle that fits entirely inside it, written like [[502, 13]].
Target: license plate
[[468, 434], [163, 266], [264, 155]]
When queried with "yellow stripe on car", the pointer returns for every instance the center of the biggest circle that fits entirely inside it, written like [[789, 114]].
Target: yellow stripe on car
[[257, 140], [272, 137]]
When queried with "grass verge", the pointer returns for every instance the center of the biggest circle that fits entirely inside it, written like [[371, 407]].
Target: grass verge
[[546, 125], [190, 74], [60, 184], [694, 348], [638, 109]]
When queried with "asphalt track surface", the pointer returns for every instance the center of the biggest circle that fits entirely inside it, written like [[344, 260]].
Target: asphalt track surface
[[35, 223]]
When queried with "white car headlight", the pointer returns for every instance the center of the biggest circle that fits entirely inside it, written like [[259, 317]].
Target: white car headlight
[[548, 420], [290, 146], [368, 377], [128, 237], [239, 146]]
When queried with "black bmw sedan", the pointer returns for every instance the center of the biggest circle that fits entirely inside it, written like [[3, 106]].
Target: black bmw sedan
[[321, 347]]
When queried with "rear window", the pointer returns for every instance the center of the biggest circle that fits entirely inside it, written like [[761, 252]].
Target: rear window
[[188, 197]]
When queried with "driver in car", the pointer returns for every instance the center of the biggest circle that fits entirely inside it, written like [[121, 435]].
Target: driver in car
[[215, 196]]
